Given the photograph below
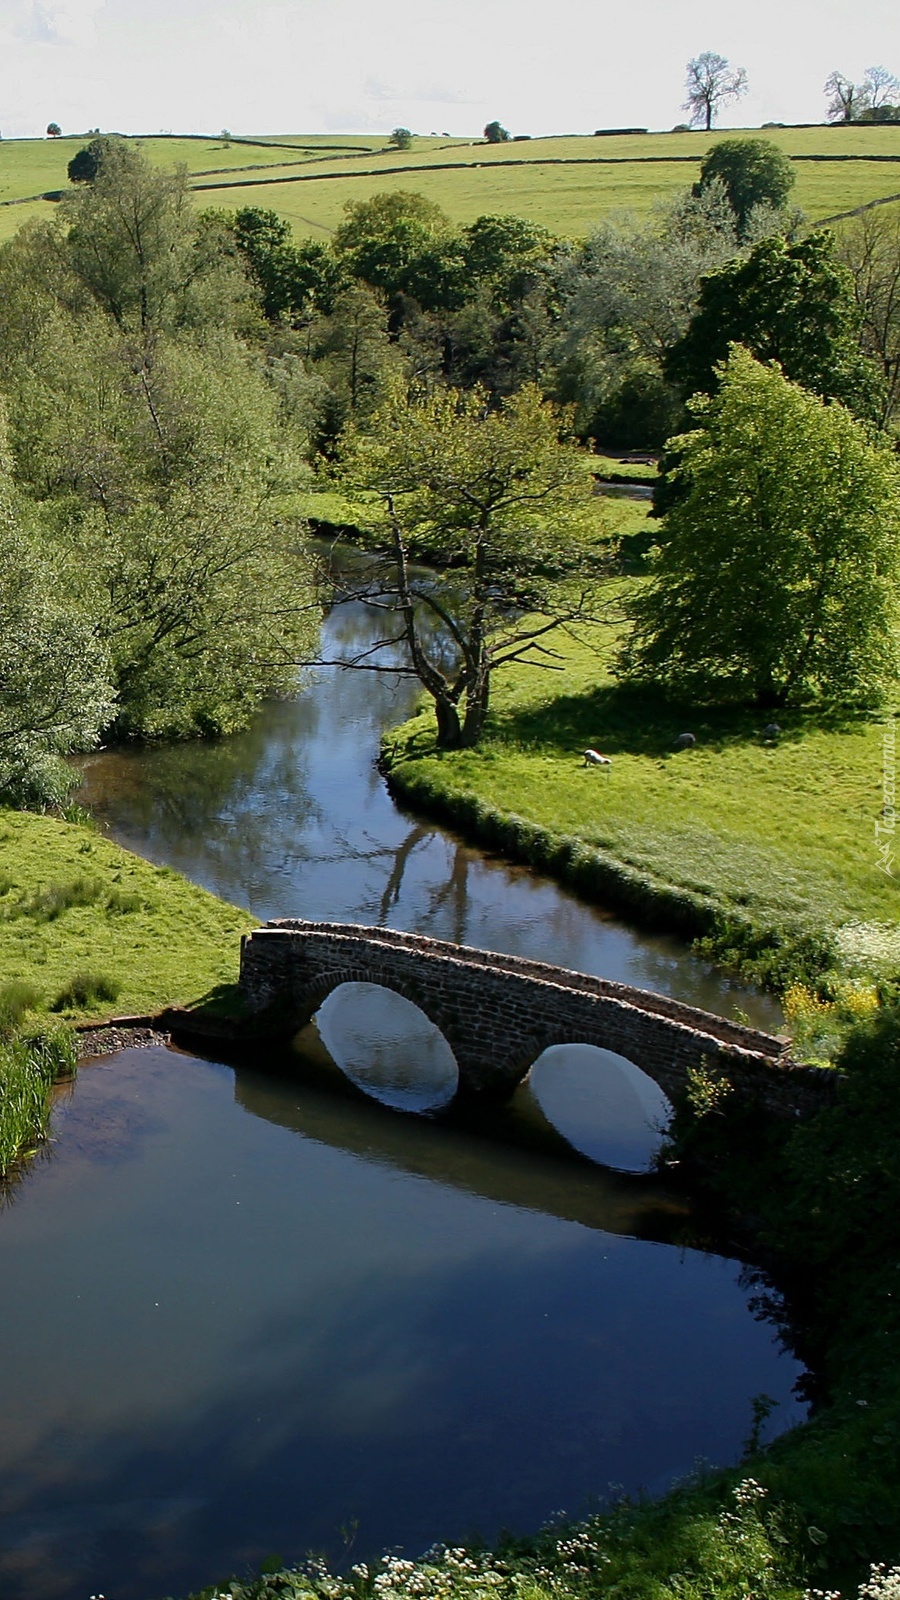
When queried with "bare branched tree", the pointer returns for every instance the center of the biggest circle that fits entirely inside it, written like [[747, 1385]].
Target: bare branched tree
[[710, 83]]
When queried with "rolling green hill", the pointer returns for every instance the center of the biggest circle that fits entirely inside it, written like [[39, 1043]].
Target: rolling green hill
[[568, 183]]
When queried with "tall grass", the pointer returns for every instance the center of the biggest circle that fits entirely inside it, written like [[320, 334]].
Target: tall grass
[[30, 1064]]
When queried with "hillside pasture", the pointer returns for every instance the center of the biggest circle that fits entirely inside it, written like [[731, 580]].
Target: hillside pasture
[[567, 182]]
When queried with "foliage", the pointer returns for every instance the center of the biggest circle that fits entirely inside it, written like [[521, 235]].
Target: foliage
[[86, 163], [856, 102], [495, 133], [55, 691], [495, 492], [868, 247], [778, 574], [86, 991], [711, 83], [294, 281], [399, 242], [30, 1063], [400, 138], [754, 172], [54, 131], [626, 297], [790, 303]]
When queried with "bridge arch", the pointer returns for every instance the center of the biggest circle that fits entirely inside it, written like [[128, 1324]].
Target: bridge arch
[[387, 1045], [604, 1105]]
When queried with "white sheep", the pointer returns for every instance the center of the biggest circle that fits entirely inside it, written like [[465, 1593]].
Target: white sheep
[[593, 758]]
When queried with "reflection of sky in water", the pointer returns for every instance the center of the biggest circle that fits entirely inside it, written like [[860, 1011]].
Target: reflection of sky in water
[[601, 1103], [293, 819], [388, 1047], [251, 1328]]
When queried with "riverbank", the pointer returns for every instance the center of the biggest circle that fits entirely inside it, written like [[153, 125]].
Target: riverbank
[[87, 929], [765, 848]]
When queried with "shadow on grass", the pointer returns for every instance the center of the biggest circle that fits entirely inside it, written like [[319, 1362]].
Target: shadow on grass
[[638, 720]]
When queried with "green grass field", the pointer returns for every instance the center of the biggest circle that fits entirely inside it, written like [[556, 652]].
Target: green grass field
[[568, 183], [773, 834], [72, 903]]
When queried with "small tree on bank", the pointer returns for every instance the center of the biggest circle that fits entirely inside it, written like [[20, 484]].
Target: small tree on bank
[[497, 495], [778, 576]]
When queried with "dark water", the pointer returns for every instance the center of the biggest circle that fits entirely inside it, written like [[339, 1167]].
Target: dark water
[[250, 1317], [249, 1311]]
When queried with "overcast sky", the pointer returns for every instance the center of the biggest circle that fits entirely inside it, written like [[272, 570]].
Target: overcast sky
[[307, 66]]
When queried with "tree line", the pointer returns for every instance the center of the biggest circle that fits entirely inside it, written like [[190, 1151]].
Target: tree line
[[170, 377]]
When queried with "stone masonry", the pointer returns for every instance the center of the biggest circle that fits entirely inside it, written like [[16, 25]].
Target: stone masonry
[[498, 1013]]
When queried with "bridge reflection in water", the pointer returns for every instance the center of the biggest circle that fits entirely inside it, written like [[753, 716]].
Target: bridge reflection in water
[[510, 1155]]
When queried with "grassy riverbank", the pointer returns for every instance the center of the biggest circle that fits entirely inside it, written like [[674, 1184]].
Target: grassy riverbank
[[768, 848], [88, 930]]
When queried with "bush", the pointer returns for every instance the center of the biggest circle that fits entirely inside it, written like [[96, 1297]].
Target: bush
[[17, 997], [85, 991]]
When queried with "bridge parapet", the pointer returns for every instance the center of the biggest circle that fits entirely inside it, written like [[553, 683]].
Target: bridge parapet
[[498, 1012]]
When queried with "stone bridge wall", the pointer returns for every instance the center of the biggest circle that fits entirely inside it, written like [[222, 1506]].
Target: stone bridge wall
[[498, 1013]]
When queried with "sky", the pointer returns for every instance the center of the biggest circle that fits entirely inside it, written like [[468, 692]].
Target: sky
[[320, 66]]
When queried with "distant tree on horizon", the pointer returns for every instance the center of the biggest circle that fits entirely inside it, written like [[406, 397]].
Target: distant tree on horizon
[[710, 82], [869, 101], [400, 138], [495, 133], [54, 131]]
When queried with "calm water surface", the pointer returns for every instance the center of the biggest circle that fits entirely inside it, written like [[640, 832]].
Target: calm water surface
[[250, 1311]]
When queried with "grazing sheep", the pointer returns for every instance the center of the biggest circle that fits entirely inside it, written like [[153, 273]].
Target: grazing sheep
[[593, 758], [684, 741]]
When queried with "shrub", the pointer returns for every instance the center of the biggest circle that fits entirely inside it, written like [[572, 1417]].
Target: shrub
[[85, 991]]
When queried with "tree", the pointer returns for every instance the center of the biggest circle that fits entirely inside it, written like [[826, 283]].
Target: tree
[[85, 165], [400, 138], [494, 493], [402, 244], [846, 100], [627, 297], [495, 133], [880, 88], [55, 683], [868, 247], [54, 131], [136, 245], [710, 83], [294, 281], [778, 573], [791, 303], [754, 172]]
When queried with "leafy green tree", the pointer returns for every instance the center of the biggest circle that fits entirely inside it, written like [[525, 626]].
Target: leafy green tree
[[790, 303], [294, 281], [158, 479], [495, 493], [85, 164], [754, 172], [400, 138], [401, 243], [779, 567], [710, 82], [132, 242], [55, 684], [495, 133]]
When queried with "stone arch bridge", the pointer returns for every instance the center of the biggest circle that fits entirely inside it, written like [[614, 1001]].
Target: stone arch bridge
[[498, 1012]]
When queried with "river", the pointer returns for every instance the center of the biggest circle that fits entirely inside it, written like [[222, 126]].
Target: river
[[250, 1311]]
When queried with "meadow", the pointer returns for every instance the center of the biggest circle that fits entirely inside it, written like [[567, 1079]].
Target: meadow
[[566, 182]]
